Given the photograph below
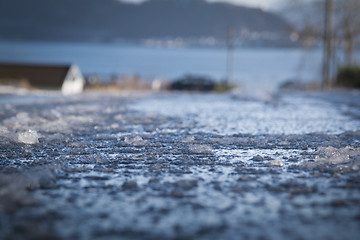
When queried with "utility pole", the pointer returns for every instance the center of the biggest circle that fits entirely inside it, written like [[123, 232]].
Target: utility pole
[[328, 44], [230, 55]]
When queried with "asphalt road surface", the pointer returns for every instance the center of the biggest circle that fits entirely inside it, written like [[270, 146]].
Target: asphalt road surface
[[180, 166]]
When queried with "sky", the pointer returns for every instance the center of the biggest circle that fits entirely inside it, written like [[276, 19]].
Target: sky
[[263, 4]]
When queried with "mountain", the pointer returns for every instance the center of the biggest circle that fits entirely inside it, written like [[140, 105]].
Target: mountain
[[111, 20], [303, 13]]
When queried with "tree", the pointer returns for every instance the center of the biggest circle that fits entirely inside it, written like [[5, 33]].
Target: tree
[[308, 18], [347, 22]]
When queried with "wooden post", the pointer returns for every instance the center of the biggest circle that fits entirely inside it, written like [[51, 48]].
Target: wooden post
[[328, 44], [230, 56]]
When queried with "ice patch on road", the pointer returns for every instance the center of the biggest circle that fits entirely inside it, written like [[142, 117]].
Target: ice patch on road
[[276, 163], [272, 157], [331, 155], [137, 141], [188, 139], [29, 137], [225, 115], [6, 135], [14, 187], [4, 132], [200, 149]]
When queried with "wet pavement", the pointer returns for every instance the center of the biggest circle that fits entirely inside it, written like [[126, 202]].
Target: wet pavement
[[180, 166]]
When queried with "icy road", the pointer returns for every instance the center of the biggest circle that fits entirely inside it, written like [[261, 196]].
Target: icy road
[[180, 166]]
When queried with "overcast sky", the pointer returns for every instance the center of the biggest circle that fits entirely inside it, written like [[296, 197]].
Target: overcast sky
[[265, 4]]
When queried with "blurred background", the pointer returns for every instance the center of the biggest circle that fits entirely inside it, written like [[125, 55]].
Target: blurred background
[[252, 44]]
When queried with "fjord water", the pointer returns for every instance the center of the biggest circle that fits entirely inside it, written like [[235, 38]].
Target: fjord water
[[254, 68]]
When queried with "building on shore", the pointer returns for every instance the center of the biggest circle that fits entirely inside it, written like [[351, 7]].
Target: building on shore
[[67, 78]]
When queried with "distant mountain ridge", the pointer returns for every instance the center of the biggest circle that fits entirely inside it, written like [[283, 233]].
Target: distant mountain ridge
[[109, 20]]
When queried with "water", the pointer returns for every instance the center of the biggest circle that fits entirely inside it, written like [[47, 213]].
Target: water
[[253, 68]]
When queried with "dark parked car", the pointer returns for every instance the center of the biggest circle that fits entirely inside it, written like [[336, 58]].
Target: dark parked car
[[193, 83]]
